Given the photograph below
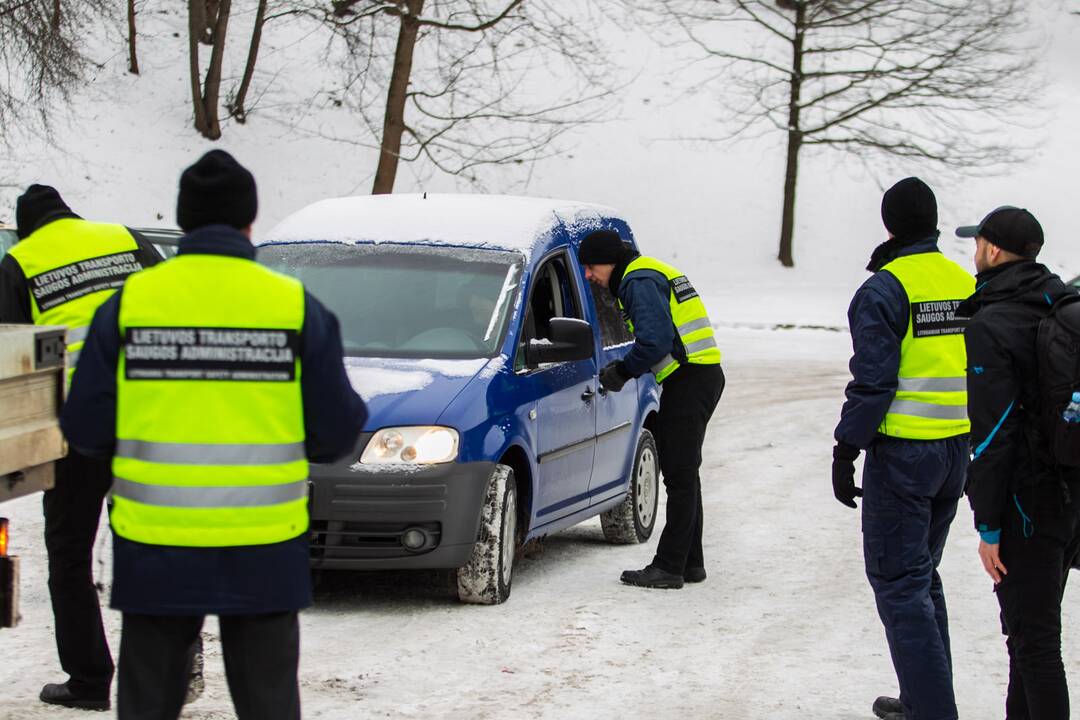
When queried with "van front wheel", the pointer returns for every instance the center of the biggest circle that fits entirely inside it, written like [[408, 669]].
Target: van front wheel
[[485, 579], [632, 520]]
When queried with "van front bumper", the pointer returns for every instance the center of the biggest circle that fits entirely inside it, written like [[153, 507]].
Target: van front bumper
[[395, 516]]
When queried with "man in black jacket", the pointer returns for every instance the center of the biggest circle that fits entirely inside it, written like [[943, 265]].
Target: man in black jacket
[[1027, 508], [55, 241]]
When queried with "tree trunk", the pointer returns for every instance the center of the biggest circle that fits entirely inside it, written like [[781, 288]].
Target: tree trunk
[[196, 20], [237, 109], [211, 11], [56, 16], [396, 95], [791, 173], [212, 85], [133, 57]]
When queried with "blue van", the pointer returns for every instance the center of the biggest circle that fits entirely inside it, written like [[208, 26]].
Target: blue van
[[473, 337]]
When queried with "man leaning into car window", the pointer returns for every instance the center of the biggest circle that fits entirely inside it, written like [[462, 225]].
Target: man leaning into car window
[[673, 339]]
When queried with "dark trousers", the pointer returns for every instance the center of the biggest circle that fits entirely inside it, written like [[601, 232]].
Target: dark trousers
[[910, 493], [690, 395], [1037, 552], [262, 655], [72, 512]]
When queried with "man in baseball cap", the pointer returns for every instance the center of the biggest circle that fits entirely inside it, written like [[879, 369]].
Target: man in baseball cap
[[1012, 229], [1026, 504]]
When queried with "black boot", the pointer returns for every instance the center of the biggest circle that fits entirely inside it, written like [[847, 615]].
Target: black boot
[[694, 574], [60, 694], [889, 708], [652, 577]]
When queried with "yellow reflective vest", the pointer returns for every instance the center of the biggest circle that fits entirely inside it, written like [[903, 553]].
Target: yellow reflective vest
[[209, 418], [687, 314], [72, 266], [931, 397]]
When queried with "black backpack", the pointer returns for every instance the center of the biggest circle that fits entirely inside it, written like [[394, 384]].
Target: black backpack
[[1058, 348]]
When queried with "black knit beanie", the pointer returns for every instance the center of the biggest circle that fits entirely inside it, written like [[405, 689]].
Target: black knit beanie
[[603, 247], [38, 203], [216, 190], [909, 210]]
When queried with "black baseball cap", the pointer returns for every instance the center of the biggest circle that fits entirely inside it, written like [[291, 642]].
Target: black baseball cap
[[1010, 228]]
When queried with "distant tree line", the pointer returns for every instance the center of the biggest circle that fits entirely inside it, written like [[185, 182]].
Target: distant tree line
[[462, 84]]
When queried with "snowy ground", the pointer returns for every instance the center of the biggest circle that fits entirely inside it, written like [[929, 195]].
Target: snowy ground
[[784, 628]]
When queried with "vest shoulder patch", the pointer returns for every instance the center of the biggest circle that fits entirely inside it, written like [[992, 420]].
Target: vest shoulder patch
[[682, 289]]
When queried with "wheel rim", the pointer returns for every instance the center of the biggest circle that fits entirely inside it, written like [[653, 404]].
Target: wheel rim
[[509, 533], [645, 488]]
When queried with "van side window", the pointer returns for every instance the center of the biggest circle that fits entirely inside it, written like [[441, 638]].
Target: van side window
[[613, 330], [553, 295]]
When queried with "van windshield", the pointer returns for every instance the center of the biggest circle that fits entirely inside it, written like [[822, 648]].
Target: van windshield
[[397, 300]]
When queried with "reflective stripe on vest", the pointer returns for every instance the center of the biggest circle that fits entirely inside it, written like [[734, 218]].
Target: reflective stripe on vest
[[187, 496], [210, 424], [72, 266], [687, 314], [931, 396]]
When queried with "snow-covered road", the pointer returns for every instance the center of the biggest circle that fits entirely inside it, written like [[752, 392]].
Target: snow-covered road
[[785, 626]]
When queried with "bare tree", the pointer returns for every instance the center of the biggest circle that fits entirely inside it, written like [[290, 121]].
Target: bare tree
[[915, 79], [41, 53], [133, 56], [206, 92], [236, 105], [467, 83]]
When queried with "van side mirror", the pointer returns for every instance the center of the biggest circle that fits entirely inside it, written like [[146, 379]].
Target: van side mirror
[[571, 339]]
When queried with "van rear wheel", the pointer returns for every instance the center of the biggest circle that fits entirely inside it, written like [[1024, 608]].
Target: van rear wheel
[[486, 578], [632, 521]]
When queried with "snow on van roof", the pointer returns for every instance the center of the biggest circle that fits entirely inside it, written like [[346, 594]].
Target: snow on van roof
[[488, 221]]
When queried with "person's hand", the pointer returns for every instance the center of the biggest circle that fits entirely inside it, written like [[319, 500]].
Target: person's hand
[[843, 473], [613, 377], [991, 560]]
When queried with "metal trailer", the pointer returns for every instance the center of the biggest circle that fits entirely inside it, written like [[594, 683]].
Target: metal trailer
[[31, 393]]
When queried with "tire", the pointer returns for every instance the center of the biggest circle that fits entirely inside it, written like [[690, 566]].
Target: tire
[[632, 521], [485, 579]]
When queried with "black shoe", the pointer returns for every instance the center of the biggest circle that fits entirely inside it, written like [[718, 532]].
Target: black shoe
[[888, 708], [60, 694], [694, 574], [652, 577]]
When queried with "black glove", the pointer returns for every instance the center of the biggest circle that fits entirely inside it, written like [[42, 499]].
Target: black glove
[[843, 473], [613, 376]]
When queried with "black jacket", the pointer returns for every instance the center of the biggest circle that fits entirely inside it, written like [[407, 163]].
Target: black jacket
[[151, 579], [1003, 393], [15, 292]]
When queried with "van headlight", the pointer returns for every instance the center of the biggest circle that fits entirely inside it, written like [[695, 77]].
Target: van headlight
[[425, 444]]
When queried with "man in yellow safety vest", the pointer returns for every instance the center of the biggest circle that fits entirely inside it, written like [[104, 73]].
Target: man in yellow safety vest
[[674, 340], [907, 407], [61, 270], [211, 381]]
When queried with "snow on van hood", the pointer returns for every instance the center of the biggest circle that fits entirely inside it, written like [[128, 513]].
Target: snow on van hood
[[401, 391], [489, 221]]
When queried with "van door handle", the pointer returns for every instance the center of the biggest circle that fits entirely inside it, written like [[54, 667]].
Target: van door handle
[[588, 394]]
